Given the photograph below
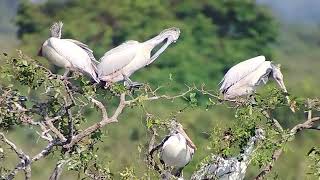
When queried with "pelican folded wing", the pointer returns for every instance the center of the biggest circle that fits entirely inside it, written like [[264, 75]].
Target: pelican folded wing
[[117, 58], [239, 71]]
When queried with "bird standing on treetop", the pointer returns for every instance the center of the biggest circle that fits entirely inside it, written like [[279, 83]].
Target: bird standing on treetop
[[177, 149], [243, 78], [70, 54], [121, 62]]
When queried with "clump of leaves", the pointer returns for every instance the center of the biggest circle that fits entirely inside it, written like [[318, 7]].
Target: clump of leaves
[[11, 101], [128, 174], [314, 160], [85, 160]]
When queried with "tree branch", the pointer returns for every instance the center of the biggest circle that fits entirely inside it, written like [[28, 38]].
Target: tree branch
[[105, 120], [58, 169], [48, 121], [24, 163], [267, 169], [45, 151], [275, 122]]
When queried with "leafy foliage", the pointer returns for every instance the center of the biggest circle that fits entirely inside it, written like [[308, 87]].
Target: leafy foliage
[[314, 157]]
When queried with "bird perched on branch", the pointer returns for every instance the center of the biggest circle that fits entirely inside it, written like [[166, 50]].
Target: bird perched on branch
[[121, 62], [70, 54], [243, 78], [176, 149]]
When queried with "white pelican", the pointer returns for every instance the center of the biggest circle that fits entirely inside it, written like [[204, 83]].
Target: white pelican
[[68, 53], [177, 149], [122, 61], [243, 78]]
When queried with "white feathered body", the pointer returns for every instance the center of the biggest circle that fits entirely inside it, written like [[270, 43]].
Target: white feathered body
[[124, 60], [243, 78], [66, 54], [176, 152]]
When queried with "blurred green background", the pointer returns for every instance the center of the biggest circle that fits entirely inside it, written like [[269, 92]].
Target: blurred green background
[[214, 36]]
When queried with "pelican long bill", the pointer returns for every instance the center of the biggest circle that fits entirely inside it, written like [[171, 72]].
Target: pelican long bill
[[184, 134]]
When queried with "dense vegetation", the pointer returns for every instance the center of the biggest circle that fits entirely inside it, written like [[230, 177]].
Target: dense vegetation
[[215, 35]]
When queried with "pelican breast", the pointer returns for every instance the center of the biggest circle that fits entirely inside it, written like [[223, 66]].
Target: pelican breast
[[52, 55], [175, 151]]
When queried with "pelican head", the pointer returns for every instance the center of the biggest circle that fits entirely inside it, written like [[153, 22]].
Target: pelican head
[[171, 35], [176, 127], [56, 29], [278, 77]]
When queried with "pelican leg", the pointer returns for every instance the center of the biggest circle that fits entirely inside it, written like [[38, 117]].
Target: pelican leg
[[130, 84]]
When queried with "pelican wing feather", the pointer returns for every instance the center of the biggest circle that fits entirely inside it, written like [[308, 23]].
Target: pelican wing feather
[[84, 47], [239, 71], [76, 55], [117, 58]]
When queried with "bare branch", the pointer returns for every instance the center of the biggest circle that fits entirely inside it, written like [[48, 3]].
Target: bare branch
[[105, 120], [58, 169], [101, 107], [48, 121], [44, 152], [306, 125], [19, 152], [206, 92], [275, 156], [157, 97], [274, 121], [121, 106], [151, 148], [24, 163]]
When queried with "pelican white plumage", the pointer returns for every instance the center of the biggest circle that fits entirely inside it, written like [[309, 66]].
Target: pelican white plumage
[[177, 149], [70, 54], [121, 62], [243, 78]]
